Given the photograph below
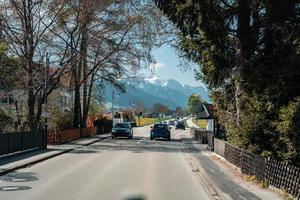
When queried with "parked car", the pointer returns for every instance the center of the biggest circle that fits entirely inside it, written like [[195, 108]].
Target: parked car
[[160, 130], [133, 124], [180, 125], [122, 130]]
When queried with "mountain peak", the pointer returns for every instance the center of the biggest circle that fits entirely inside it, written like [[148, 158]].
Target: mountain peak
[[154, 79], [174, 84], [154, 89]]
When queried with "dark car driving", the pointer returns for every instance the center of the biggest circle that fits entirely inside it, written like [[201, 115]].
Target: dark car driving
[[171, 123], [160, 130], [122, 130], [180, 125]]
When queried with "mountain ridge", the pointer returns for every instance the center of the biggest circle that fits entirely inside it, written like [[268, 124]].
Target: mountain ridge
[[153, 90]]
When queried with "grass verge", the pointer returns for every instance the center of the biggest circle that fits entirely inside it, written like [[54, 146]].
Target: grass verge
[[186, 124], [149, 121], [201, 123]]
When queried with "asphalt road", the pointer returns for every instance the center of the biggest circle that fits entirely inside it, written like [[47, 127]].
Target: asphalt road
[[110, 170]]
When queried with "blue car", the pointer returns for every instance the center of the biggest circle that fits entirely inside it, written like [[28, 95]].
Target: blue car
[[161, 131]]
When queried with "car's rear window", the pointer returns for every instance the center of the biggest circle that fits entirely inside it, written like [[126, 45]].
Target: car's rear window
[[160, 126], [121, 125]]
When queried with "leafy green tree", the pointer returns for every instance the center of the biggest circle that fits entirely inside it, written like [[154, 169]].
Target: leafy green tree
[[9, 69], [180, 112], [6, 121], [161, 108], [288, 125], [95, 107], [138, 108], [61, 120], [248, 53], [195, 104]]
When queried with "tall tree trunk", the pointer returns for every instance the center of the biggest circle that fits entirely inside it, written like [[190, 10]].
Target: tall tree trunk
[[243, 51], [90, 89], [77, 103], [39, 109], [28, 63], [18, 115], [86, 19], [84, 46], [31, 100]]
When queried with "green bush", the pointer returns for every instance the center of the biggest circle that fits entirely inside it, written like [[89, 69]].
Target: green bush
[[254, 132], [288, 126], [6, 122], [61, 120], [104, 123], [267, 130]]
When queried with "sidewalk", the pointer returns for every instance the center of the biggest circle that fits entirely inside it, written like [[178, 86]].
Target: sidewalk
[[191, 124], [30, 158], [229, 181]]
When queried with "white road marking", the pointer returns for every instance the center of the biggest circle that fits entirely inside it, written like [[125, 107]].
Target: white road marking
[[243, 197], [9, 188]]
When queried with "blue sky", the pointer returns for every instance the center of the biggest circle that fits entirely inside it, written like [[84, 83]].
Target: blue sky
[[167, 67]]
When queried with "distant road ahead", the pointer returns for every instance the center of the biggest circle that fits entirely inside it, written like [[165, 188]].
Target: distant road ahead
[[109, 169]]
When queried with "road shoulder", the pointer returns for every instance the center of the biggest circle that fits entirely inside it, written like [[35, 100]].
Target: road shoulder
[[191, 124], [226, 176]]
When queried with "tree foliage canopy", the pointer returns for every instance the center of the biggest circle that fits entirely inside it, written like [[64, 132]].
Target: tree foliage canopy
[[88, 41], [248, 53], [9, 68], [160, 108], [195, 104]]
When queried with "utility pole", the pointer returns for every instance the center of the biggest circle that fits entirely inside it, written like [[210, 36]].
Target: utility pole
[[46, 99], [112, 106], [139, 117]]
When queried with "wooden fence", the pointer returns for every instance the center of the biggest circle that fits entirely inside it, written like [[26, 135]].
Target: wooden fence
[[298, 149], [278, 174], [253, 165], [70, 134], [284, 176]]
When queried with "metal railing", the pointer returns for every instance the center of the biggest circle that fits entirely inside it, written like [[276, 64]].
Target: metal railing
[[21, 141]]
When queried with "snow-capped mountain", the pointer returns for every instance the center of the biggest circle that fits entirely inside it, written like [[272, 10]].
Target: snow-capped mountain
[[152, 90]]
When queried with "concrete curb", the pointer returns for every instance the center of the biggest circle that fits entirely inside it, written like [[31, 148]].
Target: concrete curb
[[33, 162]]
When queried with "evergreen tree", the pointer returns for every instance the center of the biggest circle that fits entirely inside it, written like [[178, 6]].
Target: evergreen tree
[[195, 104], [248, 53]]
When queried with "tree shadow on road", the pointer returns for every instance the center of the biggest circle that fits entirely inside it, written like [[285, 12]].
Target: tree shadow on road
[[139, 145], [83, 151], [24, 156]]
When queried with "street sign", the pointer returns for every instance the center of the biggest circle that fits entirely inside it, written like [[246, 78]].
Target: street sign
[[46, 115]]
